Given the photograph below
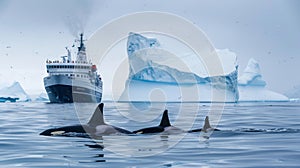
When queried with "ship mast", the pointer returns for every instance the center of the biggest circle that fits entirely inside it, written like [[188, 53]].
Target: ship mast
[[81, 46], [81, 55]]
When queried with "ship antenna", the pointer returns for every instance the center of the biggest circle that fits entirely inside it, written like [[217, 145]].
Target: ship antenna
[[69, 55]]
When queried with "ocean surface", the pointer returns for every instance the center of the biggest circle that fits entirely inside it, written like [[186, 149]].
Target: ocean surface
[[252, 135]]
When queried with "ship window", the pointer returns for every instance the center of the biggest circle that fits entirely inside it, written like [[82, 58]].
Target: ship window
[[77, 75]]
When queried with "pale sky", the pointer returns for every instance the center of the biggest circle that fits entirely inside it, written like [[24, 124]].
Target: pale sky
[[32, 31]]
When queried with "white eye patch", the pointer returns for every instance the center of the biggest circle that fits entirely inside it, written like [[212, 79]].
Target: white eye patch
[[57, 132]]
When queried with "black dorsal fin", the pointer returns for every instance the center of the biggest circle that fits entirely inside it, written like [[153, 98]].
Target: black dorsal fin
[[165, 122], [97, 118], [206, 125]]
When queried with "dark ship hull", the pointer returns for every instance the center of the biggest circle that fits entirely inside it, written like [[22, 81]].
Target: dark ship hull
[[70, 94], [62, 89]]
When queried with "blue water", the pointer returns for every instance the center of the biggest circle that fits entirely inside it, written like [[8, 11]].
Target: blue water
[[252, 135]]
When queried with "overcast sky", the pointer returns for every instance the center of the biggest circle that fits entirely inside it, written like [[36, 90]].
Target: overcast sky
[[32, 31]]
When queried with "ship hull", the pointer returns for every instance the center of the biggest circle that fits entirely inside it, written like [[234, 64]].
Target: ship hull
[[61, 89]]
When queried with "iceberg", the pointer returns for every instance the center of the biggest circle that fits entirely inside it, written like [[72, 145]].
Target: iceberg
[[252, 87], [157, 75], [43, 97], [294, 93], [13, 93], [252, 75]]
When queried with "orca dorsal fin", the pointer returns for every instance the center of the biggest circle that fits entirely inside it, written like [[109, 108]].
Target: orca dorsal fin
[[165, 122], [97, 118], [206, 125]]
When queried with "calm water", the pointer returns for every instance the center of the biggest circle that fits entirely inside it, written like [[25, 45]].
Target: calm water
[[253, 135]]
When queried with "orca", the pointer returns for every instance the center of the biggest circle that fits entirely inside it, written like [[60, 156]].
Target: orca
[[165, 127], [206, 127], [95, 127]]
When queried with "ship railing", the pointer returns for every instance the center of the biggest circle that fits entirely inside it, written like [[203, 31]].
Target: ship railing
[[71, 62]]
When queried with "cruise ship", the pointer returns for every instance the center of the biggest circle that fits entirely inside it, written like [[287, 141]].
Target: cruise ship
[[71, 80]]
